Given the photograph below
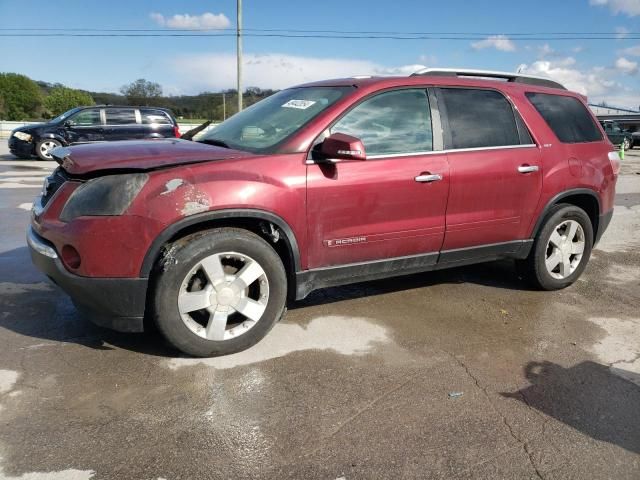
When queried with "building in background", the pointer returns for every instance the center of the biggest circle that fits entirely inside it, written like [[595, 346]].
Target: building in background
[[626, 118]]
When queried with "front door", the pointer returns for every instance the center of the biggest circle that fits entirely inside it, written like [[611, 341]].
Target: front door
[[393, 203], [496, 177], [84, 127]]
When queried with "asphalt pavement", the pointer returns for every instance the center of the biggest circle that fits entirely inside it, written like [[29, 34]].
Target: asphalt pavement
[[465, 373]]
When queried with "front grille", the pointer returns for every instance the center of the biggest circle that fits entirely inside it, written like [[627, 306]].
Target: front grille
[[52, 183]]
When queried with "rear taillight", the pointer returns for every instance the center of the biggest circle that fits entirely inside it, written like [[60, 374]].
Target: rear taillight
[[614, 158], [176, 131]]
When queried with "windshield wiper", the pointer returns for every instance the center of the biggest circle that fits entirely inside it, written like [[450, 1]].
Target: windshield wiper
[[214, 142]]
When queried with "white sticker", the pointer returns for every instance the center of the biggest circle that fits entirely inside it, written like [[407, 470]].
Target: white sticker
[[300, 104]]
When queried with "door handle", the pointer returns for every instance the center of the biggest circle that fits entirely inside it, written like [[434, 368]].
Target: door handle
[[528, 168], [428, 178]]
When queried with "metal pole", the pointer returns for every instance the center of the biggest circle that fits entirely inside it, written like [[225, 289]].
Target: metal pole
[[239, 46], [224, 106]]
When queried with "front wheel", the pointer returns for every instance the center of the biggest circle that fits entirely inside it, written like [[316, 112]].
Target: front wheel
[[626, 144], [561, 249], [44, 147], [219, 292]]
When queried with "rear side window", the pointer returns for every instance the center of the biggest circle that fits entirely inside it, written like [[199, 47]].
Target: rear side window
[[120, 116], [157, 117], [480, 118], [567, 117], [391, 123]]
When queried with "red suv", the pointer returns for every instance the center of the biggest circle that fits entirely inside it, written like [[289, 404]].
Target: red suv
[[320, 185]]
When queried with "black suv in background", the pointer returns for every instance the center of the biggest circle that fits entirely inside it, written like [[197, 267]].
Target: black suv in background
[[617, 135], [98, 123]]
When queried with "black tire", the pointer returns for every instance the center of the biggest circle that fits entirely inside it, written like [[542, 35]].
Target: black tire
[[626, 144], [41, 155], [184, 255], [534, 266]]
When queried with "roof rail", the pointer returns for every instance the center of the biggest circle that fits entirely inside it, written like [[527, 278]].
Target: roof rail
[[508, 76]]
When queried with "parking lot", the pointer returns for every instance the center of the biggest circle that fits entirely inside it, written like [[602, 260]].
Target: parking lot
[[465, 373]]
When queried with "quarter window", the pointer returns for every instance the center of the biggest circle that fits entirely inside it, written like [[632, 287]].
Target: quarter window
[[567, 117], [391, 123], [157, 117], [121, 116], [86, 118], [480, 118]]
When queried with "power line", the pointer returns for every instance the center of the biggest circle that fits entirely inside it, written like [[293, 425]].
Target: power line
[[617, 35], [319, 36]]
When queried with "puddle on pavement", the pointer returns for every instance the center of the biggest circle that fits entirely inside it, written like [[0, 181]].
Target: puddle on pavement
[[70, 474], [341, 334]]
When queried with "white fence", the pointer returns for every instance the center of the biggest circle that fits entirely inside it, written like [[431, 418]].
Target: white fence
[[6, 126]]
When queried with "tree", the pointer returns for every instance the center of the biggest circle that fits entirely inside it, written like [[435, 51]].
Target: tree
[[61, 99], [20, 97], [142, 92]]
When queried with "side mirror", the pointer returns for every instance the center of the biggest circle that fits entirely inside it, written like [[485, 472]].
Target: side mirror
[[67, 124], [341, 147]]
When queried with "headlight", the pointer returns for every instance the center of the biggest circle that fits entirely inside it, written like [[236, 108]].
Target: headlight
[[22, 136], [104, 196]]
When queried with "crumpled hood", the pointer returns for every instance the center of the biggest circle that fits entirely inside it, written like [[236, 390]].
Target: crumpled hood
[[138, 155]]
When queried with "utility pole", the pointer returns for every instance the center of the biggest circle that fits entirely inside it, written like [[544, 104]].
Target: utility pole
[[239, 46], [224, 106]]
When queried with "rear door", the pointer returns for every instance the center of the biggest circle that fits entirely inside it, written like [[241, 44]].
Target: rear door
[[123, 124], [496, 179], [382, 207]]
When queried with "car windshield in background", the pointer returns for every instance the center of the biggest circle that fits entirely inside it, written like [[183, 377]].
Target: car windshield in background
[[64, 115], [262, 126]]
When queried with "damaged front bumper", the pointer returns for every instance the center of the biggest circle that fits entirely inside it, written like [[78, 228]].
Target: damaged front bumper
[[116, 303]]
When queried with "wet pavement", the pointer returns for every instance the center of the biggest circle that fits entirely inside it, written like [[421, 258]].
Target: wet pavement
[[465, 373]]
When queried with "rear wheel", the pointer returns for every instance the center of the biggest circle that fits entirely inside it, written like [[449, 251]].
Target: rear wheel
[[561, 249], [219, 292], [44, 147], [626, 144]]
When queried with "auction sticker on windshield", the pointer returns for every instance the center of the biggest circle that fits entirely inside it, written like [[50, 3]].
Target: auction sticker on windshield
[[301, 104]]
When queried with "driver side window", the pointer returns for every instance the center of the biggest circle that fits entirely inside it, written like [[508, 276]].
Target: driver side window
[[391, 123], [86, 118]]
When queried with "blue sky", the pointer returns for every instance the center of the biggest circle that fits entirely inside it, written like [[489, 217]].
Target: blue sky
[[602, 69]]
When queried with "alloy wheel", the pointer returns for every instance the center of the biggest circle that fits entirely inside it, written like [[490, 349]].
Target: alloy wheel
[[46, 147], [565, 249], [223, 296]]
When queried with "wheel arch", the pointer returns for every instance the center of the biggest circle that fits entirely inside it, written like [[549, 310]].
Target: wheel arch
[[250, 219], [584, 198], [51, 136]]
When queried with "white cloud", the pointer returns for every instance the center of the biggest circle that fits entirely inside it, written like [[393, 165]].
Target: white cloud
[[206, 21], [545, 51], [274, 70], [622, 32], [428, 59], [634, 51], [628, 7], [591, 83], [499, 42], [626, 66], [598, 83]]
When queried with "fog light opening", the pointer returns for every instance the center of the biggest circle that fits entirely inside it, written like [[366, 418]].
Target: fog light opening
[[70, 257]]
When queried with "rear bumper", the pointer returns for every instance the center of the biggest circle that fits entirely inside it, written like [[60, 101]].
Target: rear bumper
[[116, 303], [603, 223]]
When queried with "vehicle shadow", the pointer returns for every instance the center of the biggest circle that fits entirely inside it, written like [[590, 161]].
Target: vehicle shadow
[[32, 306], [589, 398]]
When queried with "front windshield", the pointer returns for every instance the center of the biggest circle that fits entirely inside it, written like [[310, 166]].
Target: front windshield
[[270, 121], [64, 115]]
